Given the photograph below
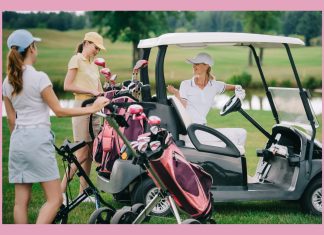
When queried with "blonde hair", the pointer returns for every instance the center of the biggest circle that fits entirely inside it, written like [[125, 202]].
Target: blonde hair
[[210, 75], [15, 64]]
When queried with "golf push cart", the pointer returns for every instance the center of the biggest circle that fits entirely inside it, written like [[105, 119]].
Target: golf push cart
[[290, 164]]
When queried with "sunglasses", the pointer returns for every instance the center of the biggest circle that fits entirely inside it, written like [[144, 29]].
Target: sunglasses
[[97, 48]]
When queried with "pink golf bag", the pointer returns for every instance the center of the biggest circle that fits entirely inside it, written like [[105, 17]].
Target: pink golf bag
[[188, 183], [107, 145]]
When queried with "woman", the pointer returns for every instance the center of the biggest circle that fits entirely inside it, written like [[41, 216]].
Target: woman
[[83, 79], [197, 94], [28, 96]]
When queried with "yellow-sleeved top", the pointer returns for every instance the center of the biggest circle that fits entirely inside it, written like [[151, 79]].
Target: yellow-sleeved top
[[87, 76]]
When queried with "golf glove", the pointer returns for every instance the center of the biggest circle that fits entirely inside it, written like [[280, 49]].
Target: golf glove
[[239, 92]]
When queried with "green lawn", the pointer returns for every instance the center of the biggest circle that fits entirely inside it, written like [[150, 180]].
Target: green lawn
[[270, 212], [57, 47]]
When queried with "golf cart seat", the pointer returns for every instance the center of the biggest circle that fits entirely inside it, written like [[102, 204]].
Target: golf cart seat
[[235, 135]]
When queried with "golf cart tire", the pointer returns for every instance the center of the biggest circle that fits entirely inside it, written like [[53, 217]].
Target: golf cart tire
[[101, 216], [140, 192], [190, 221], [307, 198]]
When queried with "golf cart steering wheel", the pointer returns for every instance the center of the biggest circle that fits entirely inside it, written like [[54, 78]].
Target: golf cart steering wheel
[[232, 105]]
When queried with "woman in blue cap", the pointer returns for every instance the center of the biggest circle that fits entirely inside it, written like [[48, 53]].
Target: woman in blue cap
[[28, 95]]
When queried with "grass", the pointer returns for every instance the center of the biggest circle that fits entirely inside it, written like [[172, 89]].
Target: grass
[[57, 47], [265, 212]]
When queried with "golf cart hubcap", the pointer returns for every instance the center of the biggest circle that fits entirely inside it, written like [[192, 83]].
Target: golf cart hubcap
[[162, 206], [317, 199]]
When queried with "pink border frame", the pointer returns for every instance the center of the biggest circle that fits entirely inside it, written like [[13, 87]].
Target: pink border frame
[[136, 5]]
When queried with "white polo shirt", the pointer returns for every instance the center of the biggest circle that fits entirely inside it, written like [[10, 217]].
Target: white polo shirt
[[199, 101]]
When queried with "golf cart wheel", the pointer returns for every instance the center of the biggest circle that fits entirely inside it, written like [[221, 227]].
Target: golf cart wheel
[[101, 216], [311, 200], [124, 215], [190, 221], [145, 192]]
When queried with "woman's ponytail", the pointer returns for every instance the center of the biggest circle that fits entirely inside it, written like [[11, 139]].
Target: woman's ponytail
[[15, 67]]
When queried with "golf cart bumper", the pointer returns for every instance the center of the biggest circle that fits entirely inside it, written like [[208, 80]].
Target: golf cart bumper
[[122, 174]]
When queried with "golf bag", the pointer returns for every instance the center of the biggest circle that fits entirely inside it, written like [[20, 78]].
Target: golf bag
[[188, 183], [107, 144]]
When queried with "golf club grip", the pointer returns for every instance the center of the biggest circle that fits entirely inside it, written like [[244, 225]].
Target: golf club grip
[[88, 101]]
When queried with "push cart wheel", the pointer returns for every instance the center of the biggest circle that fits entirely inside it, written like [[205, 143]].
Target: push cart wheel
[[101, 216], [123, 216], [138, 208], [311, 200], [145, 192], [190, 221]]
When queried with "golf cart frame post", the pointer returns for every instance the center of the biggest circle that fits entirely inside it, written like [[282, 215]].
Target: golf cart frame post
[[161, 93]]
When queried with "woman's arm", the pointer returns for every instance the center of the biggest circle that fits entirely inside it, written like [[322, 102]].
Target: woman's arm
[[52, 101], [229, 87], [11, 113], [70, 86], [176, 93]]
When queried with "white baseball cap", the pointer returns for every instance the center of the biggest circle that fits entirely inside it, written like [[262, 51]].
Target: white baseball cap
[[201, 58], [22, 39]]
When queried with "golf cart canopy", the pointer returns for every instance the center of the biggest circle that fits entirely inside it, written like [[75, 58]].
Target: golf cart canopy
[[199, 39]]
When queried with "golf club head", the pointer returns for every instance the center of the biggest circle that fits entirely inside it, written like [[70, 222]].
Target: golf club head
[[144, 139], [154, 120], [154, 130], [135, 109], [134, 144], [113, 78], [139, 116], [100, 62], [106, 72], [142, 146], [140, 64], [154, 145]]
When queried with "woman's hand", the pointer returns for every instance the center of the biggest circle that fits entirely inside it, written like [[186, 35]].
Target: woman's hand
[[173, 90], [95, 93], [100, 103]]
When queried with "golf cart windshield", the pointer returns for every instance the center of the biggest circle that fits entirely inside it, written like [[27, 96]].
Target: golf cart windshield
[[290, 108]]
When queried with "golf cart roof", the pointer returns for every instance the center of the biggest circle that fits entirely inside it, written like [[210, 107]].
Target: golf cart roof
[[203, 39]]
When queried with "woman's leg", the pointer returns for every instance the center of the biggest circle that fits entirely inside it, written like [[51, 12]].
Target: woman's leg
[[22, 199], [53, 202], [82, 156], [86, 165]]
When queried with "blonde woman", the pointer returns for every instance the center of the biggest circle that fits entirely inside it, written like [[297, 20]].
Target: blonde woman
[[197, 94]]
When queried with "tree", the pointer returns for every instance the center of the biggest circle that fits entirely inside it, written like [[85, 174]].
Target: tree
[[309, 25], [306, 23], [260, 22], [132, 25]]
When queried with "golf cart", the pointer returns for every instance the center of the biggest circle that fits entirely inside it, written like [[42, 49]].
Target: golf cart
[[290, 164]]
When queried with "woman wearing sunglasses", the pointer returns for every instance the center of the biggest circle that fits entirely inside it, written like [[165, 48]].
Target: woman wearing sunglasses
[[83, 79]]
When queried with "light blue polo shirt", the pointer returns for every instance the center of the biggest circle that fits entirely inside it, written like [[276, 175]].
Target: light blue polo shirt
[[199, 101]]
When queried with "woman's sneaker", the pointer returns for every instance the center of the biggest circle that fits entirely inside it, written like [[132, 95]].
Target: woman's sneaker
[[64, 199], [90, 199]]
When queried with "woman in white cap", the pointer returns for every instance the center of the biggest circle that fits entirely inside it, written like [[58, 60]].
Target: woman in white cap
[[197, 94], [28, 96], [83, 79]]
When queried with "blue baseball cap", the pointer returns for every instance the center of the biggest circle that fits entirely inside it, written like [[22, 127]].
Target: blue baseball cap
[[22, 39]]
